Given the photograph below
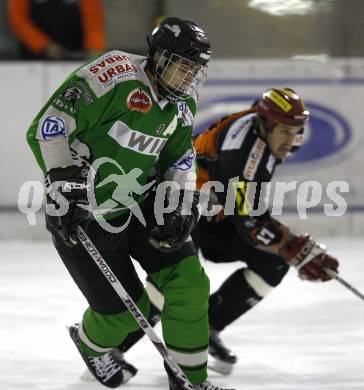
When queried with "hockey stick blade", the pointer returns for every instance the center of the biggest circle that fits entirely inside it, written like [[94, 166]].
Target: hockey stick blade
[[133, 308], [333, 274]]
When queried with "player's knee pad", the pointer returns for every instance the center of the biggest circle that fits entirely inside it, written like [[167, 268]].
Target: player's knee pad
[[155, 295], [257, 283], [188, 288], [196, 282]]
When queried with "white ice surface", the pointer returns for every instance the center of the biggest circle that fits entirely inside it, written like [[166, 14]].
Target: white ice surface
[[304, 336]]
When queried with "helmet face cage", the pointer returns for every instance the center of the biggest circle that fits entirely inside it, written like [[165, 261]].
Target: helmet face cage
[[178, 78]]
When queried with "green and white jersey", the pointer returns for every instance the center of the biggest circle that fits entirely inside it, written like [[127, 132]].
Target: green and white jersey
[[107, 108]]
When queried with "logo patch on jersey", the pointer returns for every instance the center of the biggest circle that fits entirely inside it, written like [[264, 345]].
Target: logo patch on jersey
[[139, 100], [72, 93], [104, 61], [185, 163], [254, 159], [105, 72], [79, 86], [111, 68], [53, 126], [185, 114], [135, 140], [117, 72]]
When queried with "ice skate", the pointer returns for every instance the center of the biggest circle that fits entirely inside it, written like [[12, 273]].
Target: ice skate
[[223, 358], [129, 369], [110, 369]]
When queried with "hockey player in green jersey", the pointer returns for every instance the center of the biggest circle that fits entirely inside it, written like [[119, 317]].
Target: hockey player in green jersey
[[115, 120]]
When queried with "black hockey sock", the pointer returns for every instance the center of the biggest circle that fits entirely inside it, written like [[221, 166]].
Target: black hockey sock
[[231, 300], [134, 337]]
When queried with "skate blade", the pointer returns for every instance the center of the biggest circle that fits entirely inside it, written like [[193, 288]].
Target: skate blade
[[88, 377], [219, 366]]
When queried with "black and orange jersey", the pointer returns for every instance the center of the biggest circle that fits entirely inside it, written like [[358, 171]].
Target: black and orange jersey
[[232, 148]]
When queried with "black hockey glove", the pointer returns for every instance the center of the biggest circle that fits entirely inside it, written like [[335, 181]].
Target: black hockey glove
[[66, 190], [176, 228]]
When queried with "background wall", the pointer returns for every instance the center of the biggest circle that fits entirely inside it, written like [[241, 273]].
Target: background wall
[[333, 91], [307, 38], [237, 28]]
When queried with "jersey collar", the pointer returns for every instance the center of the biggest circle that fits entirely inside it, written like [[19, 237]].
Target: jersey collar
[[161, 102]]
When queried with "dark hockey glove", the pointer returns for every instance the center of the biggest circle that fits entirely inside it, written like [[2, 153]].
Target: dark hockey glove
[[309, 258], [66, 193], [176, 228]]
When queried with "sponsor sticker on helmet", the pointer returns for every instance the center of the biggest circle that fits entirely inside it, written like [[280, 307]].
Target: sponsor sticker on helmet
[[53, 126], [175, 29], [279, 101], [139, 100]]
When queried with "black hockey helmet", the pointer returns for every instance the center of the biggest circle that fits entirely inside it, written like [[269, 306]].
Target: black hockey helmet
[[183, 44]]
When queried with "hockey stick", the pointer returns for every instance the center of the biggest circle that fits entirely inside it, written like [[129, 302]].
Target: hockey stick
[[133, 308], [333, 274]]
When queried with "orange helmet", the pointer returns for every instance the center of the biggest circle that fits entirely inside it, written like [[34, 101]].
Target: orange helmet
[[281, 105]]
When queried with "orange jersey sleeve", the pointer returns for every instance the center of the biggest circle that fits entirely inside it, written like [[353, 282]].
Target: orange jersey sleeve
[[206, 145], [23, 27]]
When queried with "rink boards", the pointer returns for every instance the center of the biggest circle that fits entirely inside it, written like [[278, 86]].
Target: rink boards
[[331, 152]]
